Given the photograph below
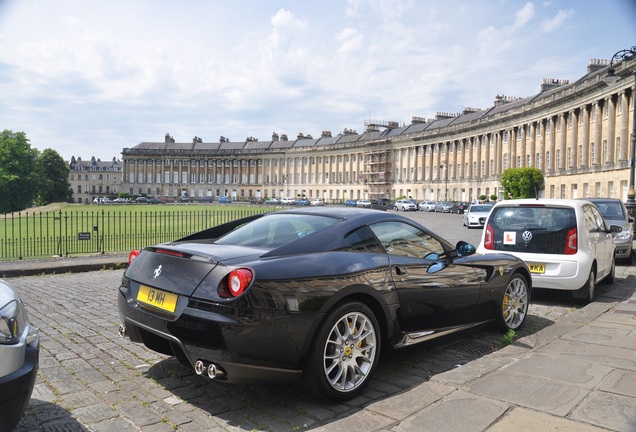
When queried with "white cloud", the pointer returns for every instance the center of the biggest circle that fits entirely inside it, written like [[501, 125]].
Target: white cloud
[[556, 22]]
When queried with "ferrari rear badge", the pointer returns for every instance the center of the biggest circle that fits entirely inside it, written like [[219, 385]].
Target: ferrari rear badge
[[157, 272]]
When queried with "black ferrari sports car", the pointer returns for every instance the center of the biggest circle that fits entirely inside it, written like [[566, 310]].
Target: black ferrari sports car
[[312, 293]]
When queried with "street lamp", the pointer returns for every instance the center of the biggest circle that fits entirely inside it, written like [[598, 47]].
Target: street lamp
[[445, 165], [629, 54]]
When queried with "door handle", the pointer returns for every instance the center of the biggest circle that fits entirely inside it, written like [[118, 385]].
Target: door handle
[[399, 271]]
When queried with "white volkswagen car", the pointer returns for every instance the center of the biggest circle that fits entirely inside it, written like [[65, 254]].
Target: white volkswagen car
[[566, 243]]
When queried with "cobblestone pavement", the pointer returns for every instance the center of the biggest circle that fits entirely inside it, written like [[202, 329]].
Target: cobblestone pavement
[[91, 379]]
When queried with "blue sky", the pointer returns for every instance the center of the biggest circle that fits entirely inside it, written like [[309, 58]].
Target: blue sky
[[88, 78]]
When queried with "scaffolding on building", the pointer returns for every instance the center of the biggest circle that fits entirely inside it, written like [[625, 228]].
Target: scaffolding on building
[[377, 170]]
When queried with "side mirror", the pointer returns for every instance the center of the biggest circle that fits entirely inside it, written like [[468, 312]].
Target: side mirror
[[615, 229], [464, 248], [434, 268]]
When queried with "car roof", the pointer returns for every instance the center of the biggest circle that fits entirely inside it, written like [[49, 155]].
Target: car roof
[[600, 200], [555, 202]]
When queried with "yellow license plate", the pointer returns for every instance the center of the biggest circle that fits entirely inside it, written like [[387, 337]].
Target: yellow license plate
[[157, 298], [537, 268]]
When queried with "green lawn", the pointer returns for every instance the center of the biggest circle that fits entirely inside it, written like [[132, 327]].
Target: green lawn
[[68, 229]]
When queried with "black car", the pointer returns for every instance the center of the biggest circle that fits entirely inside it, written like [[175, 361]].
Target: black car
[[381, 204], [312, 293], [460, 207]]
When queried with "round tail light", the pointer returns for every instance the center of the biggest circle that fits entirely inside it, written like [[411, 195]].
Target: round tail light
[[236, 282]]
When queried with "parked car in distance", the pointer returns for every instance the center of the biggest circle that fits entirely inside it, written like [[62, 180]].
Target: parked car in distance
[[303, 202], [224, 297], [427, 206], [460, 207], [141, 200], [363, 203], [476, 215], [121, 200], [224, 200], [155, 201], [350, 203], [443, 207], [381, 204], [166, 199], [19, 357], [404, 205], [317, 202], [287, 201], [271, 201], [566, 243], [615, 213]]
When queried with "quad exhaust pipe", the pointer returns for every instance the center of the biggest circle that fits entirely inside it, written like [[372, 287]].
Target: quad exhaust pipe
[[213, 371], [201, 367]]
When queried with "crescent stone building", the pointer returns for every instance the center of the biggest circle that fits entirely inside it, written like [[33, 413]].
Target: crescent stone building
[[577, 133]]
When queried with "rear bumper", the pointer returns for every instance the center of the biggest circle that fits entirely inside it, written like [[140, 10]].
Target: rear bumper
[[248, 351]]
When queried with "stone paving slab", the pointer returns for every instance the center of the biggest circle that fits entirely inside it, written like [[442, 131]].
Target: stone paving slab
[[525, 420], [607, 410], [450, 414], [531, 392], [567, 371], [621, 358]]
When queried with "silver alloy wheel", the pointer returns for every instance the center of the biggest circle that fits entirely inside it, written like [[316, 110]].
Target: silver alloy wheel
[[349, 352], [515, 303]]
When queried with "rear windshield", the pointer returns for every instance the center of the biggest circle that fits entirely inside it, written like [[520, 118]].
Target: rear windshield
[[480, 208], [538, 229], [276, 230], [610, 209]]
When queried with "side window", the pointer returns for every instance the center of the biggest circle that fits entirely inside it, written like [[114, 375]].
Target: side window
[[600, 222], [363, 240], [399, 238], [590, 220]]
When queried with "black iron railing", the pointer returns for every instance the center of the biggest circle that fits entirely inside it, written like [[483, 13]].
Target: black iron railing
[[61, 233]]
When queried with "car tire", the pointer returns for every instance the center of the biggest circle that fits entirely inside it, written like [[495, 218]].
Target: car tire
[[345, 352], [513, 307], [585, 294]]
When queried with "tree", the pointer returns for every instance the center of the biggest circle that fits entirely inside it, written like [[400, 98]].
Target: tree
[[19, 178], [54, 185], [521, 182]]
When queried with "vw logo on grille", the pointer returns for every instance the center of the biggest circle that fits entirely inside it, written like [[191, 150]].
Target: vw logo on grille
[[157, 272], [526, 236]]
